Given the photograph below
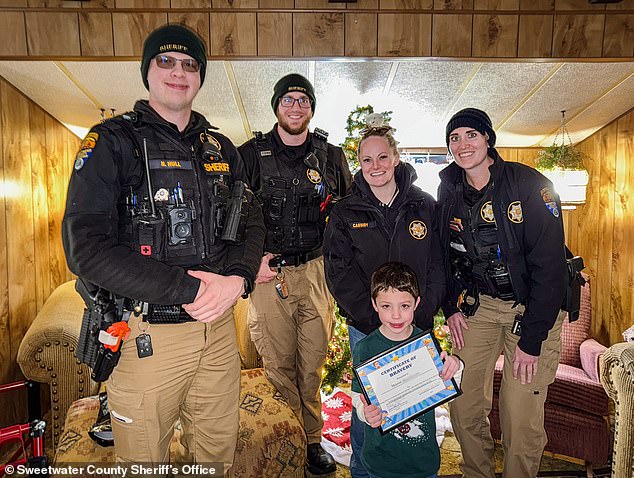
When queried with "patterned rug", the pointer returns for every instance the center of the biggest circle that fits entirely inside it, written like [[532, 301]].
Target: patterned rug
[[450, 464], [450, 455]]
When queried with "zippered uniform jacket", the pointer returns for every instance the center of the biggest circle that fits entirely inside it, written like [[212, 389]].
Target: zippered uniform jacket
[[110, 180], [530, 235], [362, 235]]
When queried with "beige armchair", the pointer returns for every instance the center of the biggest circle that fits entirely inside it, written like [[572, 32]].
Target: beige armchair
[[47, 354], [271, 440], [617, 377]]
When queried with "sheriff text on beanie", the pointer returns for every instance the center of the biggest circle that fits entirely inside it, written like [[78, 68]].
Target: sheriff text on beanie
[[290, 83], [177, 38]]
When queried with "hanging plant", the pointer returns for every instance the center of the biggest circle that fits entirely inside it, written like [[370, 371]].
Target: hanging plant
[[563, 165], [564, 156]]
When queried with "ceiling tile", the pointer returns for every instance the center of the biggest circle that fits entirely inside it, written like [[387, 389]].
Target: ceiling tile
[[572, 88], [421, 95], [113, 85], [497, 88], [603, 111], [255, 81], [217, 103]]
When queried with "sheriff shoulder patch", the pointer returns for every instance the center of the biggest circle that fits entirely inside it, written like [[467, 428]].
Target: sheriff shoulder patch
[[549, 200], [514, 212], [418, 229], [86, 149]]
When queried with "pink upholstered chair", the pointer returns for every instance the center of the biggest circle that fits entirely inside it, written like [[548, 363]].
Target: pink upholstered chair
[[577, 407]]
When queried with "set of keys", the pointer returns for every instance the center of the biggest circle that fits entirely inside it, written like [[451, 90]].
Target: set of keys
[[281, 287], [144, 340]]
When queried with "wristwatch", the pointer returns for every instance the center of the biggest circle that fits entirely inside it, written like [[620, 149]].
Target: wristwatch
[[248, 288]]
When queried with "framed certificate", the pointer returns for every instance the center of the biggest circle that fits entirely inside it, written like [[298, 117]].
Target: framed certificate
[[404, 381]]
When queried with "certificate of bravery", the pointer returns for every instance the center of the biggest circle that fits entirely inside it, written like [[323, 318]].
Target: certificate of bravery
[[404, 381]]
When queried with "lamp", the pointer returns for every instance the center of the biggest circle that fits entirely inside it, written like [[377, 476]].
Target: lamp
[[563, 165]]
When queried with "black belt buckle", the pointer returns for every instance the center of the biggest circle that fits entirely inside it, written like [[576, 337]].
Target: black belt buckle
[[167, 314], [294, 259], [285, 261]]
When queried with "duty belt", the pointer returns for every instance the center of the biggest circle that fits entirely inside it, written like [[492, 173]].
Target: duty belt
[[284, 260], [167, 314]]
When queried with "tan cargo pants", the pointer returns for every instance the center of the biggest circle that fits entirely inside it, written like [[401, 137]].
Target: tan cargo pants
[[292, 337], [521, 406], [194, 375]]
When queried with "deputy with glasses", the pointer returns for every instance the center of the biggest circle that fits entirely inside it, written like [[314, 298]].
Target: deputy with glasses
[[297, 175], [138, 228]]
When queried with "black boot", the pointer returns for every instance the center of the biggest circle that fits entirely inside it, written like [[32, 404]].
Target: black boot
[[319, 461]]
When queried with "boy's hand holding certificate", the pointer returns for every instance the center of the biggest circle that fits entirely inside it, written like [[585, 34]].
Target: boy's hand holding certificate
[[404, 381]]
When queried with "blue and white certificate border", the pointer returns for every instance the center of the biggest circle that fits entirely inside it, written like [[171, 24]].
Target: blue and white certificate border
[[427, 342]]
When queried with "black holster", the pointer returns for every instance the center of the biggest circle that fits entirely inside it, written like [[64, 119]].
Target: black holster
[[572, 301], [237, 213], [100, 313]]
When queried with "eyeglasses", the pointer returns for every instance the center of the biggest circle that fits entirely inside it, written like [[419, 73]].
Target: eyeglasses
[[169, 62], [288, 102]]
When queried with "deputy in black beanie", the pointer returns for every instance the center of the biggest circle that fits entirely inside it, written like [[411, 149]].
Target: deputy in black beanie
[[503, 240], [296, 174], [289, 83], [475, 118], [173, 38], [172, 273]]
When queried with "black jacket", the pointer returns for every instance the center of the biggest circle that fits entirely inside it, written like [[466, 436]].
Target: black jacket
[[94, 225], [362, 235], [531, 246]]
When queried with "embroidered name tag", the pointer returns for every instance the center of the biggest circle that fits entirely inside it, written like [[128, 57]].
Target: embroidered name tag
[[360, 225], [169, 164]]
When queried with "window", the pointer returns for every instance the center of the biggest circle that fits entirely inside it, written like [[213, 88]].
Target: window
[[427, 166]]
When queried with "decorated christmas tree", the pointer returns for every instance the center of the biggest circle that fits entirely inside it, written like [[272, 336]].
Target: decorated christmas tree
[[338, 366], [358, 120], [441, 332]]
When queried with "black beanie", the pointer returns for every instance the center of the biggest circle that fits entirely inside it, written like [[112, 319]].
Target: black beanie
[[472, 118], [177, 38], [290, 83]]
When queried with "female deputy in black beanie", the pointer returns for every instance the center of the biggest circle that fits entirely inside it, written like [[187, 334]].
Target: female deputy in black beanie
[[503, 240]]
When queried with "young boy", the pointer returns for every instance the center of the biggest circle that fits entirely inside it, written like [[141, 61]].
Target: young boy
[[410, 450]]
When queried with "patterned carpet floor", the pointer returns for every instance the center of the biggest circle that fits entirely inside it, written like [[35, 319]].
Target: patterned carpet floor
[[450, 464]]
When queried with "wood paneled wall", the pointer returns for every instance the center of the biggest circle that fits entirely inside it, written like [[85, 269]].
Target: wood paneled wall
[[602, 230], [36, 154], [316, 28]]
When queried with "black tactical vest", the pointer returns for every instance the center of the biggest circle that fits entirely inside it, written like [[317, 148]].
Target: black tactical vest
[[180, 221], [292, 197], [475, 249]]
